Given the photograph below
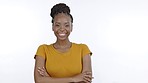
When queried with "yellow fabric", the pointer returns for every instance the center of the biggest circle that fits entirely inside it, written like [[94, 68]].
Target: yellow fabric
[[65, 64]]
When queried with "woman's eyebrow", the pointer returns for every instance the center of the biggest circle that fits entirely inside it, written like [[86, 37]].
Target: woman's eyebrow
[[67, 23], [57, 22], [61, 23]]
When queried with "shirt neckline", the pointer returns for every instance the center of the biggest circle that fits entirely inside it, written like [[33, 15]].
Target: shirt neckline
[[68, 51]]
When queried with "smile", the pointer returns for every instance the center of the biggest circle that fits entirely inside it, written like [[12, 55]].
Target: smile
[[63, 34]]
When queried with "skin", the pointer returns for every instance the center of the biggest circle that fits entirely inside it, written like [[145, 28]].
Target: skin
[[62, 27]]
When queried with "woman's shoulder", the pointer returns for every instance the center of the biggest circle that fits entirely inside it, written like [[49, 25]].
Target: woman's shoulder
[[79, 44], [45, 45]]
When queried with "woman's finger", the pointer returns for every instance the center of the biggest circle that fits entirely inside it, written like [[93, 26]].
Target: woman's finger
[[89, 73], [42, 69], [88, 76], [87, 80]]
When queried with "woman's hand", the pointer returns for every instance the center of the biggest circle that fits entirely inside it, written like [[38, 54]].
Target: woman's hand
[[42, 71], [85, 77], [88, 77]]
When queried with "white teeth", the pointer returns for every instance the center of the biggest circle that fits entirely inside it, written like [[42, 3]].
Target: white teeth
[[62, 34]]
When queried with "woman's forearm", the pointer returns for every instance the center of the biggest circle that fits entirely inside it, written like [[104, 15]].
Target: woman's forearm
[[42, 77], [80, 78]]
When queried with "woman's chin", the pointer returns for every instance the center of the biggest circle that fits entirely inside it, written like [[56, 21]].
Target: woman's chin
[[62, 38]]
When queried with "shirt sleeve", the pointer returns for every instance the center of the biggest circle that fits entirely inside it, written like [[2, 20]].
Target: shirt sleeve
[[85, 50], [41, 51]]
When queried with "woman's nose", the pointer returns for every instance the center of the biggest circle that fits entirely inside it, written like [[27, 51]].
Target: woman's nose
[[62, 28]]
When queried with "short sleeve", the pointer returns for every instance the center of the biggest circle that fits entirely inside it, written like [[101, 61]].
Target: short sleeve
[[85, 50], [41, 51]]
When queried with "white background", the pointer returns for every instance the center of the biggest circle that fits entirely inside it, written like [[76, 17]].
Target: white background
[[116, 31]]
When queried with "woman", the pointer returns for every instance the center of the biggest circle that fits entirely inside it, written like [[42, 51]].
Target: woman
[[62, 61]]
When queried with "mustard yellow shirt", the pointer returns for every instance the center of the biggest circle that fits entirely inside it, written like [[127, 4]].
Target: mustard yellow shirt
[[65, 64]]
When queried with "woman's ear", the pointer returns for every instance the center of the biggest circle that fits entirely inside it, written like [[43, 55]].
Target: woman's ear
[[52, 26], [71, 27]]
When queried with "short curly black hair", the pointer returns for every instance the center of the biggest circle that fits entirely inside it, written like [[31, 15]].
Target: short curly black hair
[[60, 8]]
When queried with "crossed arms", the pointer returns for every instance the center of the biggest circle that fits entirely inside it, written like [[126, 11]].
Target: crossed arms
[[41, 76]]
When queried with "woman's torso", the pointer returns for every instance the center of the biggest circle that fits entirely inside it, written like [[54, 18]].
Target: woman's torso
[[65, 64]]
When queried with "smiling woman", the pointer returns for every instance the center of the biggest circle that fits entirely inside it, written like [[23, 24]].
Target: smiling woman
[[62, 26], [115, 30], [62, 61]]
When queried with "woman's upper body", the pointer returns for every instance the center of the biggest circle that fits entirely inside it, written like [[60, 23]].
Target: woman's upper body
[[62, 61], [63, 64]]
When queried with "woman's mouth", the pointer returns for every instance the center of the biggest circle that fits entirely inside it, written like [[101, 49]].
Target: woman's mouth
[[62, 34]]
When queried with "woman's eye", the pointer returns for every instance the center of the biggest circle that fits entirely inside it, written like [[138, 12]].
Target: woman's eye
[[57, 25], [66, 25]]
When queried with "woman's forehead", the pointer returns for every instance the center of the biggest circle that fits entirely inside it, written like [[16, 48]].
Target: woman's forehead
[[62, 17]]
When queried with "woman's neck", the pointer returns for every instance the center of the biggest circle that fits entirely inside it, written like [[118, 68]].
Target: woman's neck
[[62, 44]]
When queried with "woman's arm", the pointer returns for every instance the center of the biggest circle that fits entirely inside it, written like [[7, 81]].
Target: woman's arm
[[87, 68], [41, 76], [87, 63]]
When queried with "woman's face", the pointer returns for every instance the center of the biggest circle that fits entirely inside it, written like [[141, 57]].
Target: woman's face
[[62, 26]]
